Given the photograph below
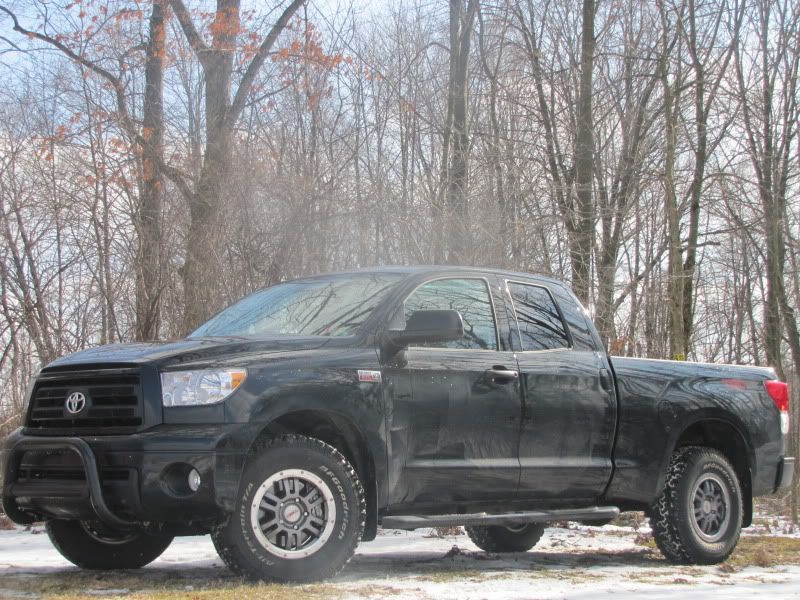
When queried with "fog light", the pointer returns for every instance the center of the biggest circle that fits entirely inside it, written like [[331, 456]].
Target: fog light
[[194, 480]]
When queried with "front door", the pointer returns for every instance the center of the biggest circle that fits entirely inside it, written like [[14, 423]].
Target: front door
[[459, 419]]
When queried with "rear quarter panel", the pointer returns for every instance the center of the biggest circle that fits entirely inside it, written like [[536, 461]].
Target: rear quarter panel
[[660, 399]]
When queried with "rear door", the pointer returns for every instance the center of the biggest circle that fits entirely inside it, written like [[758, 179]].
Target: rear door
[[569, 408], [461, 418]]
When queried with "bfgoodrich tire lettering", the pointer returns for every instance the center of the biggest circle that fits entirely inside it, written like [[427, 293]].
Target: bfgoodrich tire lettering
[[299, 515], [495, 538], [698, 517], [89, 548]]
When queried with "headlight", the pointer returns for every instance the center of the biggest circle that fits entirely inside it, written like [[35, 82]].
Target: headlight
[[205, 386]]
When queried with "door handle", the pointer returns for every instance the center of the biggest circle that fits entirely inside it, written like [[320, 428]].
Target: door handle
[[500, 374]]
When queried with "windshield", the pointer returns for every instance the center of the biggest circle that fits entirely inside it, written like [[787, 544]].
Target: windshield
[[329, 306]]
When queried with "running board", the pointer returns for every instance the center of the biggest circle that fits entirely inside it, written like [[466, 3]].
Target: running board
[[595, 513]]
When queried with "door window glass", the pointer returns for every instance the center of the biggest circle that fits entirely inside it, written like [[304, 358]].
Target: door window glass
[[471, 298], [540, 324]]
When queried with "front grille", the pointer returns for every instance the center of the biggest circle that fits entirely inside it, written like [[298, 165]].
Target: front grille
[[113, 402], [28, 474]]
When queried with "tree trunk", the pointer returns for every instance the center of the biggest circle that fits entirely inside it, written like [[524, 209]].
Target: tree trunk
[[583, 213], [202, 272], [148, 263], [677, 339], [456, 183]]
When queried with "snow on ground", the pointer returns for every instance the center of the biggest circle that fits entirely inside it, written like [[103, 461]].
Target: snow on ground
[[580, 562]]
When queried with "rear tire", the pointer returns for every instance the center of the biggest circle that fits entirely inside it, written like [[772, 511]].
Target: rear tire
[[299, 516], [698, 517], [89, 548], [496, 538]]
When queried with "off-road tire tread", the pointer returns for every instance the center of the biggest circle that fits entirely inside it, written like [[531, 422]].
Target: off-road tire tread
[[134, 555], [664, 513], [234, 561], [498, 539]]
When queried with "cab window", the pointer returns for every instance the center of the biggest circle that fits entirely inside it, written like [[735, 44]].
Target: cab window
[[471, 298], [540, 324]]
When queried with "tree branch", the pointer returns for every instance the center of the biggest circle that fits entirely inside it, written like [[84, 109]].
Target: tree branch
[[125, 120], [105, 74], [258, 60], [189, 30]]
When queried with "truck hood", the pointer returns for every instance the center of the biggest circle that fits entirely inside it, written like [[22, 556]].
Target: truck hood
[[185, 351]]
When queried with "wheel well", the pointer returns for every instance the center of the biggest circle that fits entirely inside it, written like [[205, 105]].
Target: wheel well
[[725, 438], [342, 434]]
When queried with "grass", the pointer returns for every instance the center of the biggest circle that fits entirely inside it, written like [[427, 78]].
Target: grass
[[766, 551], [240, 592], [83, 585], [446, 576], [753, 551]]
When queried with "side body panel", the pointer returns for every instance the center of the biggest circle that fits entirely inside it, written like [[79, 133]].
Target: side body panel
[[569, 415], [659, 400], [453, 427], [324, 380], [461, 428]]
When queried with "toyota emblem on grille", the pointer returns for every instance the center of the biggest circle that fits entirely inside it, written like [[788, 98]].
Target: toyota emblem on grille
[[75, 403]]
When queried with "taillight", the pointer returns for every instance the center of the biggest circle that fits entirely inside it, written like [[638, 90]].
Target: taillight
[[779, 392]]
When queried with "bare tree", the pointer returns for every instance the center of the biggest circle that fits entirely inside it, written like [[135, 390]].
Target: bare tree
[[202, 269]]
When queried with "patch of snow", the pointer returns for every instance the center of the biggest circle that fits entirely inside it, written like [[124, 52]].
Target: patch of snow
[[579, 562]]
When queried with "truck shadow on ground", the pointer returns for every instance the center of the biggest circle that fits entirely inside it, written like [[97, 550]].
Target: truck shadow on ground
[[425, 563]]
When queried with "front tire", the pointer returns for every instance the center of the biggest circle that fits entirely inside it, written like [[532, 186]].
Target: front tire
[[496, 538], [299, 516], [89, 547], [698, 517]]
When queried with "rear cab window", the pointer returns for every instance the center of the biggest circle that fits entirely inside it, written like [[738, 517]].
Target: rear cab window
[[538, 318]]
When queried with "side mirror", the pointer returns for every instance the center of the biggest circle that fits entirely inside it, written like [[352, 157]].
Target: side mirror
[[428, 326]]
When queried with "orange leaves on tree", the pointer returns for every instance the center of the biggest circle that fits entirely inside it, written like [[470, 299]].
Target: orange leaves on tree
[[225, 27], [118, 145], [306, 65], [309, 51], [129, 15], [87, 180]]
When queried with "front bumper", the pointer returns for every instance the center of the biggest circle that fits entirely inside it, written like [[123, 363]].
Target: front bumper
[[127, 480], [785, 473]]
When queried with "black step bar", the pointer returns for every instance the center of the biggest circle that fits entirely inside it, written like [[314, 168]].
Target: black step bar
[[595, 513], [54, 444]]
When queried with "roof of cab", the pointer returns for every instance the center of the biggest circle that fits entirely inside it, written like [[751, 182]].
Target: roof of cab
[[423, 269]]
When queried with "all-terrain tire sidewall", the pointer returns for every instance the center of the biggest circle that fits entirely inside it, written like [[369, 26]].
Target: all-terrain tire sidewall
[[236, 540], [85, 551], [496, 538], [673, 513]]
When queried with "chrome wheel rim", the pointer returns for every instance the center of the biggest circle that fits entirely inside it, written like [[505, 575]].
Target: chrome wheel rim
[[711, 508], [293, 513]]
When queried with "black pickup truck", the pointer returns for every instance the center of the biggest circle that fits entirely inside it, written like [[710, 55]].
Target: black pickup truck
[[295, 422]]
